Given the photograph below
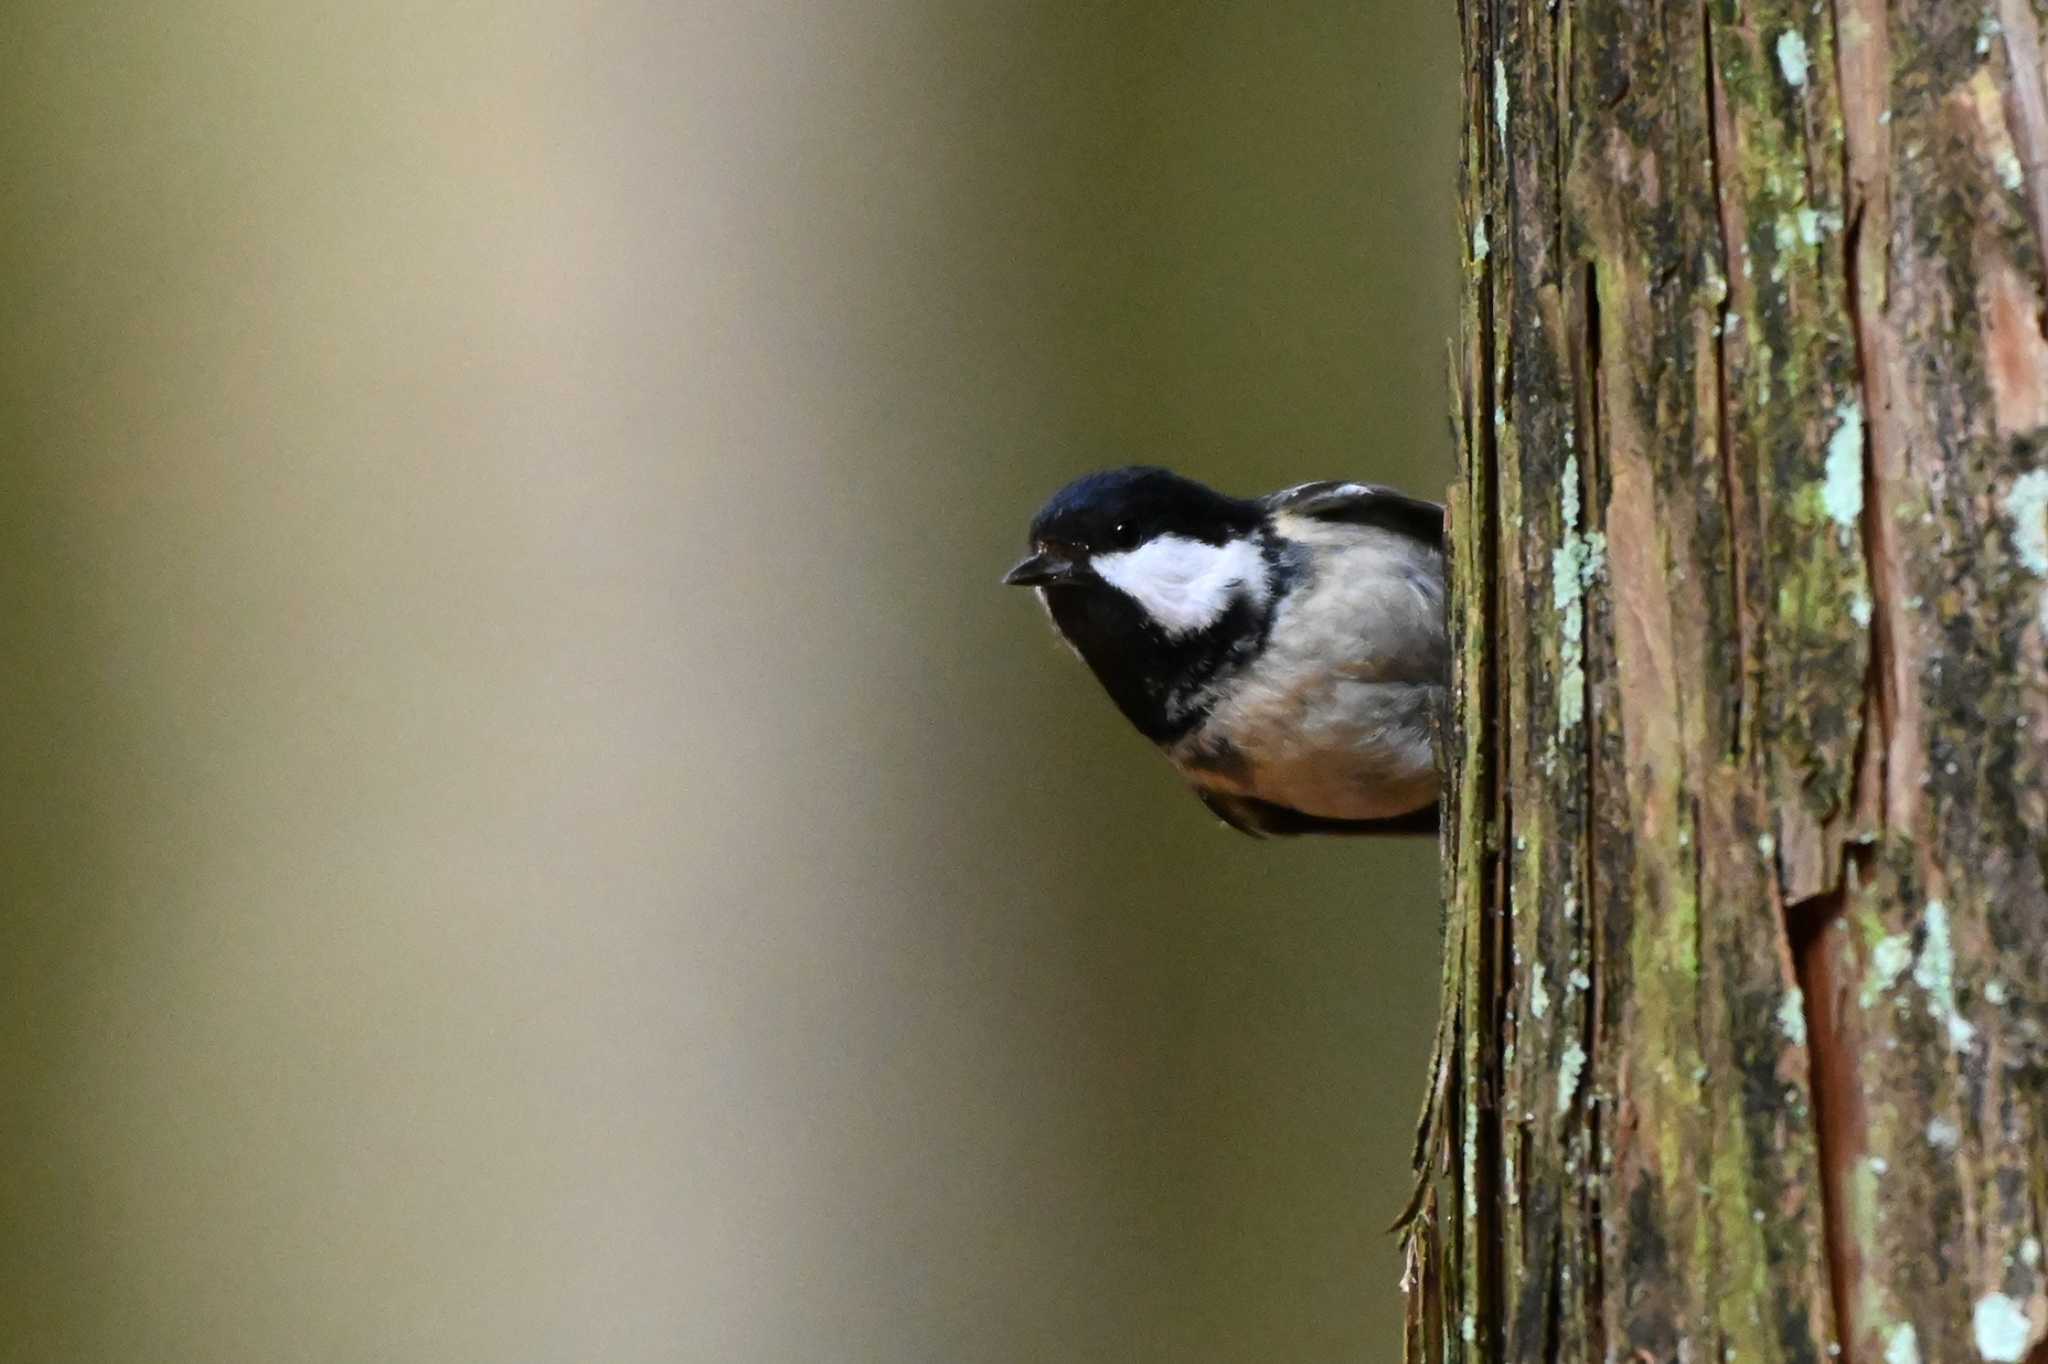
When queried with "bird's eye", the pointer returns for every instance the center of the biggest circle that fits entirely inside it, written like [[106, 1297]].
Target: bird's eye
[[1124, 534]]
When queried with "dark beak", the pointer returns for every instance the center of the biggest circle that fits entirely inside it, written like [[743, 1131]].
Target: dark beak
[[1042, 570]]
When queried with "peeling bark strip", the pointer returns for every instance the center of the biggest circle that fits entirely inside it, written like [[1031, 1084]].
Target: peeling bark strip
[[1745, 1045]]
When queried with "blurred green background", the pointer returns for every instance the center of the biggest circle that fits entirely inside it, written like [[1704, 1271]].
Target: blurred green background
[[532, 832]]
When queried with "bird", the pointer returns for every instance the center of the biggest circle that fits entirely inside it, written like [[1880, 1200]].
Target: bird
[[1289, 654]]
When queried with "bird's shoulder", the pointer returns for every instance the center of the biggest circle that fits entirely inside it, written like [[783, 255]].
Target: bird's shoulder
[[1368, 504]]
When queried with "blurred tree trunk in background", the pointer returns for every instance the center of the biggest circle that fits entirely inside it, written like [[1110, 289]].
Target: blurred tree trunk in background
[[1745, 1047]]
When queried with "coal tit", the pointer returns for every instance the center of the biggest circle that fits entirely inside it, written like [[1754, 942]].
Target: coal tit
[[1289, 653]]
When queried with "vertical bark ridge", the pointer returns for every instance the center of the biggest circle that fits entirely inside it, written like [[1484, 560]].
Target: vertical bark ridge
[[2028, 105]]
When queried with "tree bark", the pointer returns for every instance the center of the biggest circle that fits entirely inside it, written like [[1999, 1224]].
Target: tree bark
[[1744, 1052]]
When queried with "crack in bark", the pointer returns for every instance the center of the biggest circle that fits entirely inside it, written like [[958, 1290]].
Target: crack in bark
[[1553, 1293], [1724, 414], [1591, 322], [1840, 1124], [1593, 337], [1864, 78], [1869, 805], [1872, 763], [1487, 1296], [1838, 1119]]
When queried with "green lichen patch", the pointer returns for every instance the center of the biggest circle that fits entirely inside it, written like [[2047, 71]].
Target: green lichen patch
[[1934, 972], [1841, 494], [1568, 1070], [1889, 958], [1575, 565], [1792, 1016], [2026, 505], [1792, 58], [1500, 100], [2001, 1329]]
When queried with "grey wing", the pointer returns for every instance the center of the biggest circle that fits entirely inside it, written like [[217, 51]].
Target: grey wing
[[1366, 504]]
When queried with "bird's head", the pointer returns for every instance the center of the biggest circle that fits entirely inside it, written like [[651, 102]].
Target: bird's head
[[1153, 579], [1181, 553]]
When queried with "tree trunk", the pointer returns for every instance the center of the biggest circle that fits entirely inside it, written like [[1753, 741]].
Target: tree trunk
[[1744, 1053]]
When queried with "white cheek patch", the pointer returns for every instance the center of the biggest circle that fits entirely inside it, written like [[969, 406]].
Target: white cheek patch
[[1185, 585]]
